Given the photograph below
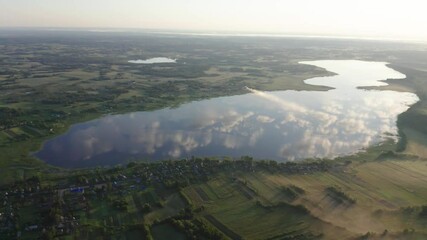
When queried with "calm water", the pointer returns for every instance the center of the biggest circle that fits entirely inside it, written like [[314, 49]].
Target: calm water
[[153, 60], [283, 125]]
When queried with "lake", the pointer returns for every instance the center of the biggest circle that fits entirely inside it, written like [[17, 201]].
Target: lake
[[281, 125], [153, 60]]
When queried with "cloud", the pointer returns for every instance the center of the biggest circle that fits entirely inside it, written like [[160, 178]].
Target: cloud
[[281, 125], [255, 136], [231, 120], [264, 119], [282, 103]]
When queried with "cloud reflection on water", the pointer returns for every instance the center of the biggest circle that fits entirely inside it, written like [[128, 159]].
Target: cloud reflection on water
[[285, 125]]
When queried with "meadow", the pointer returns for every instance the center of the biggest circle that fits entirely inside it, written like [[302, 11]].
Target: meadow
[[50, 81], [385, 196]]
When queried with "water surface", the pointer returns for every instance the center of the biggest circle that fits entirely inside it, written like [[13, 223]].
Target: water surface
[[282, 125], [153, 60]]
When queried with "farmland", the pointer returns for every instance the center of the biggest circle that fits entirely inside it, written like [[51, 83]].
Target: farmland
[[222, 199], [45, 88], [80, 76], [51, 81], [385, 195]]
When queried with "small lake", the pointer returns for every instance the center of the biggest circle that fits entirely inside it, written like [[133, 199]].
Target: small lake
[[153, 60], [281, 125]]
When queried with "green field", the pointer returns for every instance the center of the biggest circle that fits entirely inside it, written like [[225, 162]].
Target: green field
[[255, 206], [69, 81], [46, 86]]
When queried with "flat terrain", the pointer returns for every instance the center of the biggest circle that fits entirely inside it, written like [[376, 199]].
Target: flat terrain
[[258, 206], [239, 199], [51, 80], [48, 82]]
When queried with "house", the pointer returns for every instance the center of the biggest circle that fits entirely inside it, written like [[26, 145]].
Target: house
[[77, 190], [32, 228]]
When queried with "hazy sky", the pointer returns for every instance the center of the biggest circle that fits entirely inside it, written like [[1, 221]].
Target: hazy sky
[[371, 18]]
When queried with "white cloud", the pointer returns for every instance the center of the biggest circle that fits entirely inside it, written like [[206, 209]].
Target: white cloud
[[264, 119], [304, 127]]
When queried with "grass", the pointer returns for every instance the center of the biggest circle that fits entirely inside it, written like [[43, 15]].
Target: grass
[[86, 80], [400, 183], [4, 137], [101, 210], [100, 82], [149, 196], [172, 206], [416, 142], [254, 222], [247, 218], [166, 231], [380, 190]]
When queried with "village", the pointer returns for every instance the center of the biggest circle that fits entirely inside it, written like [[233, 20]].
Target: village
[[67, 203]]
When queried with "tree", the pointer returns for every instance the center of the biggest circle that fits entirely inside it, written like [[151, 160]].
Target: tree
[[146, 208]]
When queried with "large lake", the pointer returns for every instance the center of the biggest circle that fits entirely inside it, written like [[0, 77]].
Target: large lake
[[153, 60], [282, 125]]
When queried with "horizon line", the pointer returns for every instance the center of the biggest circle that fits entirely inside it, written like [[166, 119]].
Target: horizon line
[[217, 33]]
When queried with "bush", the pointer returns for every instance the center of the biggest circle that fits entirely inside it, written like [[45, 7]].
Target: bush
[[339, 196], [423, 212], [120, 204]]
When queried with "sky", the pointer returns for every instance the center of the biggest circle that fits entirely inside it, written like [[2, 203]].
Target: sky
[[393, 19]]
